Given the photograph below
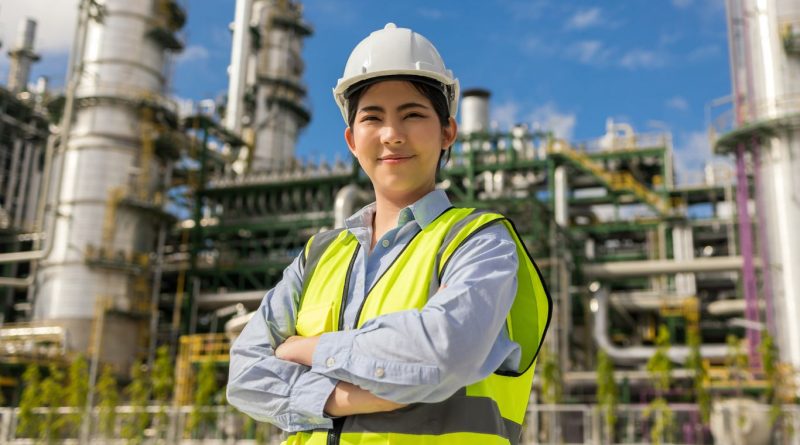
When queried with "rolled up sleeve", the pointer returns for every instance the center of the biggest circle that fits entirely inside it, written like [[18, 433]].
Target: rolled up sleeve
[[269, 389]]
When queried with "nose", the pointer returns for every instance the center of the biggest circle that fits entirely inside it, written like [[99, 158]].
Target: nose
[[392, 133]]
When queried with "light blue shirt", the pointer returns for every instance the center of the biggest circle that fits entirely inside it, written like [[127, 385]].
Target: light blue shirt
[[412, 356]]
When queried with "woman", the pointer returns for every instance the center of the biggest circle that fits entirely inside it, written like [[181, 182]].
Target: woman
[[416, 323]]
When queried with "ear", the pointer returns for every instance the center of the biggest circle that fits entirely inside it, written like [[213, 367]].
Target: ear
[[350, 139], [449, 133]]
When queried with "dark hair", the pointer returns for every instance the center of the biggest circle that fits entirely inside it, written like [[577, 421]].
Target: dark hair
[[433, 91]]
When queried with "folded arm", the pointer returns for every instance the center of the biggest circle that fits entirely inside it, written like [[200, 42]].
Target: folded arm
[[274, 389], [426, 355]]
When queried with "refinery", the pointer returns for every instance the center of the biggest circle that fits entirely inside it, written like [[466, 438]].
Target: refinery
[[139, 235]]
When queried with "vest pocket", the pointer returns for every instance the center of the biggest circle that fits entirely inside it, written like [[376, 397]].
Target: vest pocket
[[315, 320]]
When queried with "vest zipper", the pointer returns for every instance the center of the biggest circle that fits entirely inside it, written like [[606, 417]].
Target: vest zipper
[[335, 433], [338, 423]]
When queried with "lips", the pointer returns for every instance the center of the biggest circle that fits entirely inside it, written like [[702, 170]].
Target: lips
[[395, 157]]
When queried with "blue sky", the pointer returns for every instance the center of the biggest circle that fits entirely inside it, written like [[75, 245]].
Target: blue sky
[[567, 65]]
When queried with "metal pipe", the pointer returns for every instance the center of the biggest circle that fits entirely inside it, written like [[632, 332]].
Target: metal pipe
[[728, 307], [561, 193], [240, 55], [748, 268], [761, 211], [638, 354], [22, 191], [622, 269], [646, 301], [347, 200], [12, 179]]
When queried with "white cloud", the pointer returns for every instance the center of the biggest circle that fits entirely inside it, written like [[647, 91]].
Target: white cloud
[[430, 13], [525, 9], [640, 58], [669, 37], [505, 114], [691, 155], [549, 117], [588, 52], [677, 103], [193, 53], [704, 52], [585, 18], [535, 46]]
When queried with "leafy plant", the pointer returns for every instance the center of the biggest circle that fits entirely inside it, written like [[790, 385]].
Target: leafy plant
[[53, 397], [659, 367], [107, 401], [552, 386], [780, 387], [138, 392], [76, 392], [701, 377], [207, 387], [163, 386], [607, 393], [29, 423], [736, 360]]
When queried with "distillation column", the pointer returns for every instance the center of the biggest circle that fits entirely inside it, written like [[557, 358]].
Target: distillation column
[[108, 193], [765, 68], [266, 71], [22, 57]]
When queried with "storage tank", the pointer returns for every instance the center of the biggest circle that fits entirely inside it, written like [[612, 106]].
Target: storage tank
[[94, 281], [765, 70], [474, 111]]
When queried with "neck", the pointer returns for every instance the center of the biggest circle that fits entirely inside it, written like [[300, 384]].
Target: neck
[[387, 210]]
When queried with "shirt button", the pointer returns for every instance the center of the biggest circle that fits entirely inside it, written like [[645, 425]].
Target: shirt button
[[379, 372], [385, 243], [330, 362]]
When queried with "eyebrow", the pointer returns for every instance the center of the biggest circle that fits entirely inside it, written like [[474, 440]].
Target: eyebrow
[[403, 107]]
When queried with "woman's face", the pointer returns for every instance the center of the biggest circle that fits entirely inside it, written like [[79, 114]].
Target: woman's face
[[397, 138]]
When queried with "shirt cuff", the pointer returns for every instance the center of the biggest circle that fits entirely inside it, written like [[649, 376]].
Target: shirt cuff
[[332, 351], [308, 398], [334, 357]]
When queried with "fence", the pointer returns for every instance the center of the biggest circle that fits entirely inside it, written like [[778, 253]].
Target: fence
[[545, 425]]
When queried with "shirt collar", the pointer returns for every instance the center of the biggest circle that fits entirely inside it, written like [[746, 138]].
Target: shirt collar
[[424, 211]]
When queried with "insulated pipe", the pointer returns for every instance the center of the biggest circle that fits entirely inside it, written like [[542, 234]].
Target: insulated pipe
[[728, 307], [638, 354], [621, 269], [237, 71], [646, 301], [561, 193], [347, 201]]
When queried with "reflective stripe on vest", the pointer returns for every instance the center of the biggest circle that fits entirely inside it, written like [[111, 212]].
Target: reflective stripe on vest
[[487, 412]]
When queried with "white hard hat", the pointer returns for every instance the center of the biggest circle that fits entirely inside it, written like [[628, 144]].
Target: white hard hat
[[394, 51]]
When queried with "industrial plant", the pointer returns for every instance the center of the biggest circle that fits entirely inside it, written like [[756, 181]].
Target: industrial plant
[[139, 235]]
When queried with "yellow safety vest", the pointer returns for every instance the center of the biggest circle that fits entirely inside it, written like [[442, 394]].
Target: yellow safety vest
[[490, 411]]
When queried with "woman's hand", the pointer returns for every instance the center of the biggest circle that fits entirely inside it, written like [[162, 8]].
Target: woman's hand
[[348, 399], [297, 349]]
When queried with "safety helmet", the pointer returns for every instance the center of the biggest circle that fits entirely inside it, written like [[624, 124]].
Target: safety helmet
[[394, 51]]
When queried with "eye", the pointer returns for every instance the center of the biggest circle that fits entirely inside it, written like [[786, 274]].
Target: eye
[[369, 118], [414, 114]]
